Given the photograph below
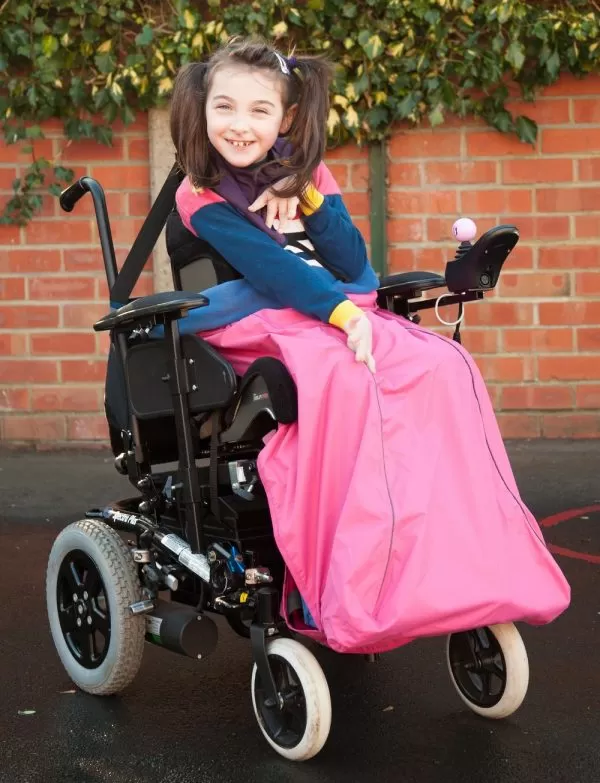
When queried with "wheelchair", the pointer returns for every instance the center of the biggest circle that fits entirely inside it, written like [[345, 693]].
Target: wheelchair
[[194, 537]]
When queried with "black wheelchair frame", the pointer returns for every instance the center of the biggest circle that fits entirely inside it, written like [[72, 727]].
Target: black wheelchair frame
[[202, 529]]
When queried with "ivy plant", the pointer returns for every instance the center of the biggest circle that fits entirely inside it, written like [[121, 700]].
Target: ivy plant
[[91, 62]]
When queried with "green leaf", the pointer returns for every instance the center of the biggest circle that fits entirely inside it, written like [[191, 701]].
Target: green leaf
[[526, 129], [106, 62], [436, 116], [145, 37], [515, 55]]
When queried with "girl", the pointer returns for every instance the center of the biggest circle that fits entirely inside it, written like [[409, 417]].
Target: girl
[[392, 498]]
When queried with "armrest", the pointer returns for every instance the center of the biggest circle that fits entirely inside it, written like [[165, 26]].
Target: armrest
[[154, 309], [409, 285]]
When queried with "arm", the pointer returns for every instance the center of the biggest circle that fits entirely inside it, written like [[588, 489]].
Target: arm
[[330, 227], [268, 267]]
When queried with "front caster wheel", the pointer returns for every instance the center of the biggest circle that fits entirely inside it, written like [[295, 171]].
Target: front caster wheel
[[90, 582], [489, 669], [299, 725]]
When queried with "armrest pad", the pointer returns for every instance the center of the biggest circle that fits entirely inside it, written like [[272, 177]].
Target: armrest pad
[[409, 284], [154, 309]]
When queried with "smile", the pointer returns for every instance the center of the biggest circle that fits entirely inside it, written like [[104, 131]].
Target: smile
[[240, 144]]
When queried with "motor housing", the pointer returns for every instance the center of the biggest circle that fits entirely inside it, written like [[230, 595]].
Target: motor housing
[[181, 629]]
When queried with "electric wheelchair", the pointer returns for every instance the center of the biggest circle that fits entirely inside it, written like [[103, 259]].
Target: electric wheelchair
[[194, 537]]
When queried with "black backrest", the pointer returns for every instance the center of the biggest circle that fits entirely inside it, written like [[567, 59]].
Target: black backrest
[[195, 265]]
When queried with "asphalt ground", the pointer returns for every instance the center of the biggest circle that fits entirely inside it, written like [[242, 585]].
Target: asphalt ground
[[400, 720]]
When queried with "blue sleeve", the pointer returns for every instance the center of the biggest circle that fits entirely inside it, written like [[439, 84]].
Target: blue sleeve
[[336, 239], [269, 268]]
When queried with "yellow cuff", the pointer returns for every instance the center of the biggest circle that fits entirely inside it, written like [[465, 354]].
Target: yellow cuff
[[343, 313], [313, 200]]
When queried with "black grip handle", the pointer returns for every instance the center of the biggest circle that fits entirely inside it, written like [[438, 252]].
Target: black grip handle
[[71, 195]]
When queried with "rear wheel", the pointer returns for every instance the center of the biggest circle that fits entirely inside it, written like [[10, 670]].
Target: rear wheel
[[90, 582]]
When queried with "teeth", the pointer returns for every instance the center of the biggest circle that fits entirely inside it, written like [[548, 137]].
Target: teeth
[[240, 143]]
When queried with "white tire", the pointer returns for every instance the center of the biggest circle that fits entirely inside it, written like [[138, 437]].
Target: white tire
[[90, 582], [305, 731], [496, 686]]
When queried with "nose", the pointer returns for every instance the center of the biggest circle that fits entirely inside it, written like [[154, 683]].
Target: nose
[[238, 123]]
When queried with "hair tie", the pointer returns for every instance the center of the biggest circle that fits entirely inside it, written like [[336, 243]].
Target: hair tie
[[292, 62], [287, 64]]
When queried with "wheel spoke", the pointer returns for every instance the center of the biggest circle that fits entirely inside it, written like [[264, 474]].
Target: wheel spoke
[[100, 621], [73, 577], [92, 582], [67, 618]]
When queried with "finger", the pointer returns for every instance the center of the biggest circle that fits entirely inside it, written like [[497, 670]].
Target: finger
[[260, 202], [272, 209], [371, 363], [292, 208]]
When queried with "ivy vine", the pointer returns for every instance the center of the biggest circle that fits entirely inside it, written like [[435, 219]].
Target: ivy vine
[[91, 62]]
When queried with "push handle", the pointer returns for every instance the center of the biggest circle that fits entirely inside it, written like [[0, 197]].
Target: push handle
[[71, 195]]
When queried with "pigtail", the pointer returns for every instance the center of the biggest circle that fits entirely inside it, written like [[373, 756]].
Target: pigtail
[[310, 77], [188, 123]]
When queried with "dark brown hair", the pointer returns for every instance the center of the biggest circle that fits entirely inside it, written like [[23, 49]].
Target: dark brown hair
[[306, 86]]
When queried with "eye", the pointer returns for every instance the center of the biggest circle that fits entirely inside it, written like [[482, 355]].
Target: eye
[[223, 107], [261, 111]]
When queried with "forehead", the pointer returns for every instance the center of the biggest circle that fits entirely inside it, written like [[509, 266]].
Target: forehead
[[246, 84]]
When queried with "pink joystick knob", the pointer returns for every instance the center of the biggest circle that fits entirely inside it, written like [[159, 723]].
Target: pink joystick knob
[[464, 229]]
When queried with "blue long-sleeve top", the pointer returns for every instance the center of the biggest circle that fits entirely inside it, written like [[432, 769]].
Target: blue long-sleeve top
[[324, 259]]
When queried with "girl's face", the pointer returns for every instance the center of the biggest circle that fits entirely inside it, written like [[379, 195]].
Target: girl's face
[[245, 113]]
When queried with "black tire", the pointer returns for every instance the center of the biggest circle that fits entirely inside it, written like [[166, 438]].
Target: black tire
[[90, 582]]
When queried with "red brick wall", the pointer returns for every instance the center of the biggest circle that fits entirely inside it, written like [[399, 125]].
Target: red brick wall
[[537, 339]]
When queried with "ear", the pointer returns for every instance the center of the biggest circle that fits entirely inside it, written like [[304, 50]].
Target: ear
[[288, 119]]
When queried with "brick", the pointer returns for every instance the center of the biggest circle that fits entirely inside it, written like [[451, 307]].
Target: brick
[[587, 226], [569, 85], [522, 257], [364, 226], [126, 177], [138, 149], [9, 235], [341, 173], [69, 399], [12, 344], [140, 123], [401, 259], [61, 288], [77, 316], [402, 174], [125, 230], [411, 202], [558, 142], [8, 174], [586, 110], [14, 153], [569, 257], [28, 317], [30, 260], [58, 232], [561, 313], [568, 200], [571, 425], [422, 144], [519, 425], [587, 395], [490, 144], [496, 202], [537, 284], [14, 399], [478, 341], [35, 428], [537, 340], [357, 203], [494, 313], [588, 169], [541, 228], [463, 172], [83, 259], [83, 371], [404, 230], [139, 204], [28, 371], [102, 344], [431, 259], [115, 205], [547, 111], [506, 368], [587, 284], [350, 152], [60, 343], [12, 288], [87, 428], [550, 397], [531, 171], [588, 339], [568, 368], [88, 151]]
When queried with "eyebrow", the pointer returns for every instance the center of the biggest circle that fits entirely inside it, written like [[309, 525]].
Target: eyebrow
[[227, 98]]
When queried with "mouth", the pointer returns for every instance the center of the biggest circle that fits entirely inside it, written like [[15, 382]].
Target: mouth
[[239, 144]]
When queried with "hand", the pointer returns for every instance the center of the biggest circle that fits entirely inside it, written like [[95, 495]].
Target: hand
[[360, 339], [277, 207]]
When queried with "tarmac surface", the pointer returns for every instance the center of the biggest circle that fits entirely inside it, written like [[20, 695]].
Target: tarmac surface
[[399, 720]]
